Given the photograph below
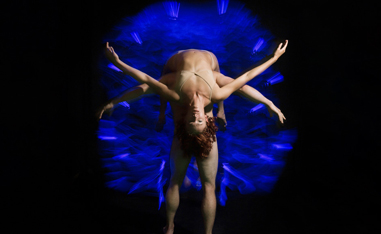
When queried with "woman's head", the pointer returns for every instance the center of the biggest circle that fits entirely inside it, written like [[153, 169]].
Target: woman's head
[[195, 120], [195, 142]]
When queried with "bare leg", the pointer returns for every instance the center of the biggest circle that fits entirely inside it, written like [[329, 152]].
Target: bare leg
[[161, 121], [179, 165], [208, 171], [221, 119]]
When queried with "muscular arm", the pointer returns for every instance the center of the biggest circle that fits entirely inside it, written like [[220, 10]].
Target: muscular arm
[[132, 93], [227, 90], [252, 95], [156, 86], [128, 95], [246, 91]]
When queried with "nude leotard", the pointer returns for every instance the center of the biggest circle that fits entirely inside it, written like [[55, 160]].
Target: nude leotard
[[206, 75]]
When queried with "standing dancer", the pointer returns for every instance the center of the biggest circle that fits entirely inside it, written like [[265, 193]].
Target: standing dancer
[[191, 88]]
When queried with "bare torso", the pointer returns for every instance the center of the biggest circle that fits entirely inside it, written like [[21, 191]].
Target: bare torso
[[194, 61]]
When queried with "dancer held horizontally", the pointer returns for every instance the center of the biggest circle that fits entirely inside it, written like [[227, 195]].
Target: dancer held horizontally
[[191, 88]]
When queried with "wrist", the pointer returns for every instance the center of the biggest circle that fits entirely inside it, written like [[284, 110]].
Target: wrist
[[116, 61], [109, 106], [268, 103]]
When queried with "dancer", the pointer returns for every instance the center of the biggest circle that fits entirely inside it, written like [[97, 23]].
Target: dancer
[[191, 89], [170, 67]]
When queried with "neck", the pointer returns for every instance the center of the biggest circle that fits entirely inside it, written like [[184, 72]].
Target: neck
[[196, 101]]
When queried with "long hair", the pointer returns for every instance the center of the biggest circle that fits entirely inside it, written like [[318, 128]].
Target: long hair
[[200, 144]]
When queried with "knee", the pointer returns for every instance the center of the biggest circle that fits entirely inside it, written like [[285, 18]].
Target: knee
[[176, 182], [208, 188], [242, 89]]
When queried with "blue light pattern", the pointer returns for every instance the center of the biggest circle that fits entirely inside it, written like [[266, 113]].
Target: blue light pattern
[[172, 8], [222, 6], [253, 149]]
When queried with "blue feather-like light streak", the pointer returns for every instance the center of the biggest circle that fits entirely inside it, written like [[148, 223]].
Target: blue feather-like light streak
[[222, 6], [251, 152]]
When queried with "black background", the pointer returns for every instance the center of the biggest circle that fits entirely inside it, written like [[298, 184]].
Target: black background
[[51, 174]]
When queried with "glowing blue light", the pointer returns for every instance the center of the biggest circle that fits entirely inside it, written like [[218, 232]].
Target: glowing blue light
[[133, 152], [282, 146], [222, 6], [112, 66], [257, 107], [136, 37], [161, 183], [172, 8], [125, 104], [145, 182], [198, 183], [121, 156], [258, 45], [247, 186], [222, 197], [107, 137], [265, 157], [277, 78]]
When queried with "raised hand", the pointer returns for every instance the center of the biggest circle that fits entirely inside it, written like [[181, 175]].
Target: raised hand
[[280, 50], [109, 108], [111, 54], [273, 109]]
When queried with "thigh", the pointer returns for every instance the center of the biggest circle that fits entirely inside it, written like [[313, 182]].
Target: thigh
[[178, 162], [207, 167]]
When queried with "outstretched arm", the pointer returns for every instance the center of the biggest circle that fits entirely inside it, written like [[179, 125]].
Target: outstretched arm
[[225, 91], [252, 95], [255, 96], [128, 95], [156, 86]]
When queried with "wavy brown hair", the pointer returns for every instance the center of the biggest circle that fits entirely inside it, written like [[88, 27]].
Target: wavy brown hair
[[200, 144]]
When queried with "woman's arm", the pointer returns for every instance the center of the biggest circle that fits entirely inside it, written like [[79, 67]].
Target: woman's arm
[[252, 95], [255, 96], [225, 91], [128, 95], [156, 86]]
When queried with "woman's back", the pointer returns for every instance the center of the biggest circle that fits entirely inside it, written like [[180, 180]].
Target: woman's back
[[189, 73], [191, 60]]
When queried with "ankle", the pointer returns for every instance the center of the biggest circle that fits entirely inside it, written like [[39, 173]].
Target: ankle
[[170, 226]]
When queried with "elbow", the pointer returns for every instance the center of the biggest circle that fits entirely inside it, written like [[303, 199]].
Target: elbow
[[243, 89]]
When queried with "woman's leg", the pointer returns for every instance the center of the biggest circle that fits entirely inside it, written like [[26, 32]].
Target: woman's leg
[[179, 165], [161, 121], [208, 171]]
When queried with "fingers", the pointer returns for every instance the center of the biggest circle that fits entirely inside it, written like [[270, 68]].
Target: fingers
[[282, 119], [285, 45], [109, 47], [100, 113]]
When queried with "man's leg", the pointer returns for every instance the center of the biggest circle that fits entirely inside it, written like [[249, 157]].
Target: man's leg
[[179, 165], [208, 171]]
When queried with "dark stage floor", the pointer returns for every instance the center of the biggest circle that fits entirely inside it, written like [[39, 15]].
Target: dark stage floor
[[293, 207]]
